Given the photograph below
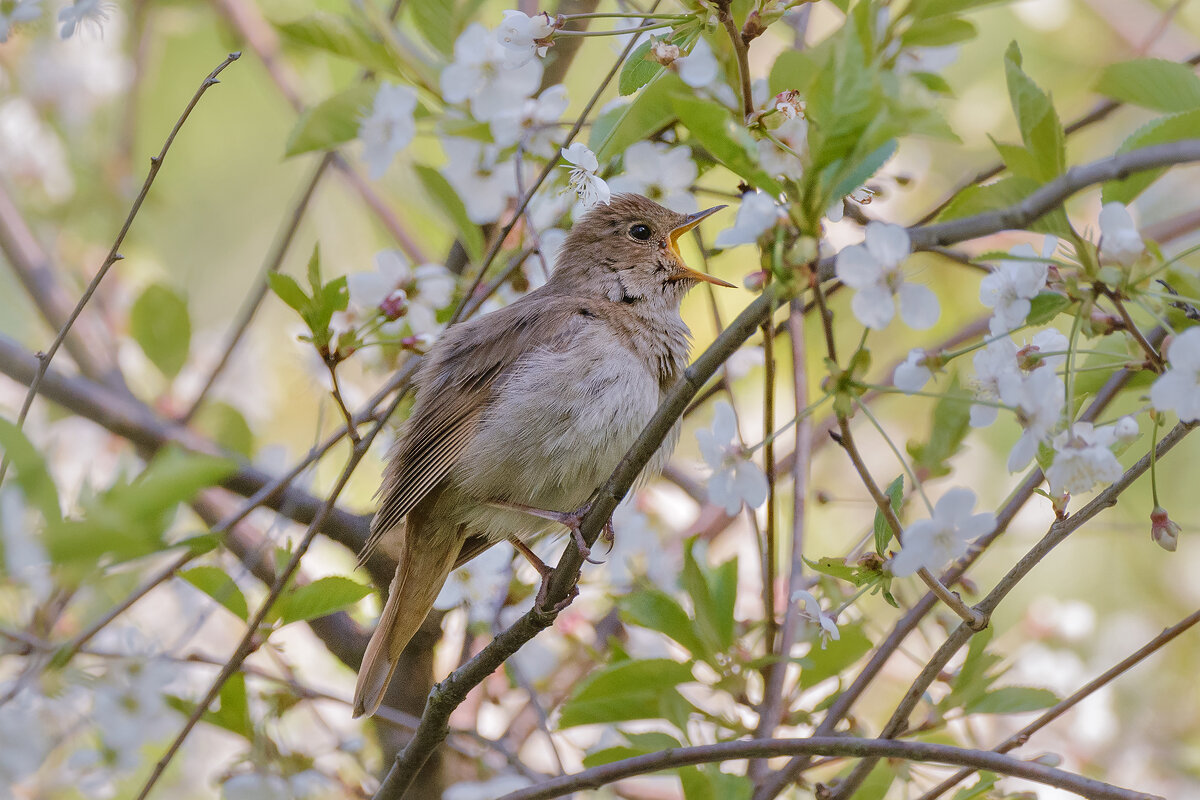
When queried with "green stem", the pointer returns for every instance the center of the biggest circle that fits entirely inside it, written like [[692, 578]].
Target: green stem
[[617, 32], [912, 476]]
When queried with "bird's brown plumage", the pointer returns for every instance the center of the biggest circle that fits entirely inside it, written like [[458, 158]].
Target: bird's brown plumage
[[533, 404]]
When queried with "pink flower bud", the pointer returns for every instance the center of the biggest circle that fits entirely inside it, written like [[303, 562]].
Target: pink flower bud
[[1163, 531], [755, 281], [395, 305]]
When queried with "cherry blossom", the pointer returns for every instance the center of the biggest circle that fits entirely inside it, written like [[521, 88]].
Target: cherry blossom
[[81, 13], [664, 52], [590, 187], [395, 285], [1163, 531], [1010, 287], [757, 214], [16, 12], [482, 75], [778, 161], [524, 37], [912, 375], [660, 172], [812, 612], [873, 269], [1126, 429], [1039, 398], [389, 127], [533, 122], [735, 480], [698, 68], [1119, 237], [1082, 459], [482, 180], [945, 537], [1178, 389]]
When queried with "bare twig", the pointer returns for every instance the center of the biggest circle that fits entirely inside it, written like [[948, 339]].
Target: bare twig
[[742, 50], [114, 254], [828, 745]]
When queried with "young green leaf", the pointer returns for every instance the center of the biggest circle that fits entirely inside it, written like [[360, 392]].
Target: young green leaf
[[624, 691], [1151, 83], [883, 531], [30, 472], [1160, 131], [1040, 127], [1045, 307], [658, 611], [341, 36], [288, 290], [951, 422], [215, 583], [438, 188], [320, 598], [331, 122], [1012, 700], [713, 127], [159, 323]]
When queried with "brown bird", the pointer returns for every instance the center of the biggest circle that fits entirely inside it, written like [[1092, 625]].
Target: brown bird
[[521, 414]]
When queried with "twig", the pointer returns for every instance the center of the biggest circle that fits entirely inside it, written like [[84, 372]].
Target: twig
[[1156, 359], [248, 643], [279, 249], [336, 391], [1058, 532], [843, 746], [1061, 707], [741, 49], [114, 255], [770, 556]]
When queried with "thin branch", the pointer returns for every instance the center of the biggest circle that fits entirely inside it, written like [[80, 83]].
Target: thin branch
[[114, 254], [842, 746], [742, 50], [1058, 532], [248, 643], [1061, 707]]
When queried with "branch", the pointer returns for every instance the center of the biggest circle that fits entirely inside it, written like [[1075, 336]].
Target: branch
[[1058, 709], [841, 746], [1059, 531], [114, 254]]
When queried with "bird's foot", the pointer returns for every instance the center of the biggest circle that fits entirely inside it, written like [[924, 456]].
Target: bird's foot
[[545, 571], [571, 520]]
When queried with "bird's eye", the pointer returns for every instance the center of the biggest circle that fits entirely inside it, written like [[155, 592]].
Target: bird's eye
[[640, 232]]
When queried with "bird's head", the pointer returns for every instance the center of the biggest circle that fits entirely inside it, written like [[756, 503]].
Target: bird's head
[[627, 251]]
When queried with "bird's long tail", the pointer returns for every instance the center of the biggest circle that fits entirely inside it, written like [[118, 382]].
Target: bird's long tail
[[420, 574]]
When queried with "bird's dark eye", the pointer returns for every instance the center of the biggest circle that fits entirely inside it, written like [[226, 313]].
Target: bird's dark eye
[[640, 232]]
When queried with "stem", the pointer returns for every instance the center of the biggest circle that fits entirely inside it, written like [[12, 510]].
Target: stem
[[617, 32], [912, 476], [741, 50]]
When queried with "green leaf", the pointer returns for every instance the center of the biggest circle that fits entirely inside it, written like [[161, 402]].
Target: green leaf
[[320, 598], [639, 69], [927, 9], [951, 424], [1045, 307], [226, 426], [877, 783], [341, 36], [938, 32], [793, 69], [625, 691], [331, 122], [448, 200], [650, 111], [883, 531], [972, 680], [1040, 127], [695, 582], [1151, 83], [861, 170], [933, 82], [834, 567], [432, 18], [658, 611], [1012, 700], [639, 744], [233, 713], [728, 142], [708, 782], [288, 290], [215, 583], [1160, 131], [980, 790], [160, 325], [30, 469]]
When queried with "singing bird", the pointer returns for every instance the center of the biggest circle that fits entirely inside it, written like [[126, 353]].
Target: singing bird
[[521, 414]]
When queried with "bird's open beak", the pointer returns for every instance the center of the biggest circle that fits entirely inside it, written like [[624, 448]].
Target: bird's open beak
[[691, 221]]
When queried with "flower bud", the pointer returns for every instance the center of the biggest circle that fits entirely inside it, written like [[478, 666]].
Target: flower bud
[[1163, 531], [1126, 429], [789, 104], [755, 281], [419, 344], [395, 305], [664, 52]]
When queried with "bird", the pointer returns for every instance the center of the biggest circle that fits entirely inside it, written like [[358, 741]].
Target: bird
[[521, 414]]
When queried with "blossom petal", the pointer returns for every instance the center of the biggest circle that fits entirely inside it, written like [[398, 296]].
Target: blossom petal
[[919, 307]]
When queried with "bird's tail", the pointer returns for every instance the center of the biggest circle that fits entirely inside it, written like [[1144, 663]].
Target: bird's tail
[[420, 574]]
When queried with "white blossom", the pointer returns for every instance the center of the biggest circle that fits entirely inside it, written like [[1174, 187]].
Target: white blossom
[[524, 37], [660, 172], [1119, 237], [912, 375], [1047, 348], [129, 708], [698, 68], [1178, 389], [1126, 429], [789, 104], [482, 75], [1164, 531], [945, 537], [735, 480], [421, 292], [533, 122], [91, 13], [1082, 459], [32, 150], [389, 128], [478, 583], [255, 786], [1039, 398], [590, 187], [873, 270], [482, 181], [15, 12], [812, 612], [1010, 287], [757, 214], [664, 52]]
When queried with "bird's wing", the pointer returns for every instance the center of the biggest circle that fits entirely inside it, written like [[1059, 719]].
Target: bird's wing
[[456, 384]]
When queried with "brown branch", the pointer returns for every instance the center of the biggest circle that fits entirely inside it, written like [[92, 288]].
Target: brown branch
[[114, 254], [741, 50], [842, 746]]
